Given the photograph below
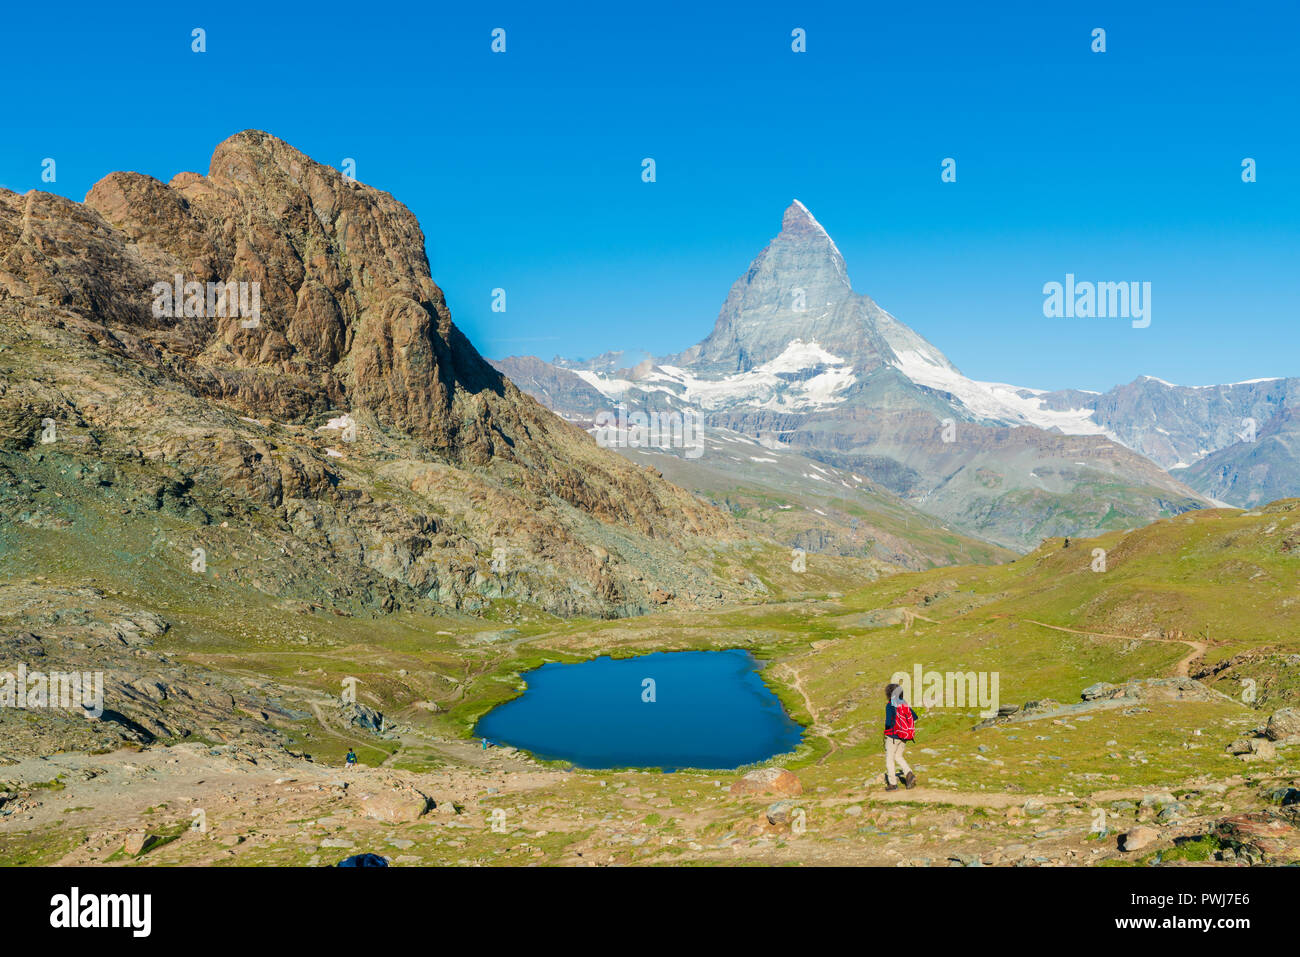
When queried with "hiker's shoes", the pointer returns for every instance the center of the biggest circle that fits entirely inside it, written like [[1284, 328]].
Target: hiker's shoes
[[910, 780], [891, 787]]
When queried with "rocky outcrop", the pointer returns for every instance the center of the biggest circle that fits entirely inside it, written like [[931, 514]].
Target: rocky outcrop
[[768, 781], [114, 687], [1284, 724], [349, 425], [1264, 836], [1259, 468]]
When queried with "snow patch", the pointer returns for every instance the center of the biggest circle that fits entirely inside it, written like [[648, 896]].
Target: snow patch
[[995, 400]]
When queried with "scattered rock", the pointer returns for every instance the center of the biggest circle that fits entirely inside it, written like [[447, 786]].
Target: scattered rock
[[768, 781], [397, 806], [137, 842], [1253, 749], [1137, 838], [1035, 808], [1285, 796], [1170, 813], [1283, 724], [1262, 834], [781, 812]]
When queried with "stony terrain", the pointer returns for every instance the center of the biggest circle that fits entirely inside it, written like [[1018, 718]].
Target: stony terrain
[[1144, 719]]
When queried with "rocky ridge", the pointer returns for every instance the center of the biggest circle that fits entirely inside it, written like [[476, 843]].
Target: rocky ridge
[[236, 428]]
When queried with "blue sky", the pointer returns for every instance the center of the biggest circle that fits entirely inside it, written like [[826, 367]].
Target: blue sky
[[524, 168]]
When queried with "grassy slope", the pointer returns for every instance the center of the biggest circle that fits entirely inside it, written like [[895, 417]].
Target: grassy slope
[[1231, 571]]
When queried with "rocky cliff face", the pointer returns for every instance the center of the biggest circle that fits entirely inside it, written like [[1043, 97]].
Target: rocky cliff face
[[349, 429], [1178, 425], [1256, 469]]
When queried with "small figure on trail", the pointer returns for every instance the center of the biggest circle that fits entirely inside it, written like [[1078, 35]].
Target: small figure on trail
[[485, 744], [900, 728], [351, 760]]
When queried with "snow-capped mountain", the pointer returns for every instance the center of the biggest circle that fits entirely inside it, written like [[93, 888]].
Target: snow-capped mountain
[[793, 335], [799, 358], [1178, 425]]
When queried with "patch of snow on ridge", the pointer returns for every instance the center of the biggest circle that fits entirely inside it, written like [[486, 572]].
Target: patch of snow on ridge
[[995, 400], [609, 388], [760, 386], [800, 355], [768, 386], [1151, 378]]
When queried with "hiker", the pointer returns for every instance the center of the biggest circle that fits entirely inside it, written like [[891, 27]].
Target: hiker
[[351, 759], [900, 728]]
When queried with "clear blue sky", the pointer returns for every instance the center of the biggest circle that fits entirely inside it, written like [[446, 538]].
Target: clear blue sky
[[525, 168]]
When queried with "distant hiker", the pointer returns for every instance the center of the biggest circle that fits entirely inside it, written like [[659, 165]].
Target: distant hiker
[[485, 744], [900, 728], [351, 759]]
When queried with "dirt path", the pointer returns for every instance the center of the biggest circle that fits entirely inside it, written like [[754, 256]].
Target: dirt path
[[796, 682], [1181, 669]]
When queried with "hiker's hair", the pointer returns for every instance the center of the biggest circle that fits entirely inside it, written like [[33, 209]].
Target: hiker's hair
[[890, 689]]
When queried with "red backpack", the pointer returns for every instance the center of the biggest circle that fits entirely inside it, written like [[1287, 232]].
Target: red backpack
[[904, 722]]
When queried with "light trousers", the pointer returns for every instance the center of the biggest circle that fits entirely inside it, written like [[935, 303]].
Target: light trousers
[[894, 756]]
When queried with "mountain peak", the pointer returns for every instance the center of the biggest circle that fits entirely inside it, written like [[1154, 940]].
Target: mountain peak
[[798, 221]]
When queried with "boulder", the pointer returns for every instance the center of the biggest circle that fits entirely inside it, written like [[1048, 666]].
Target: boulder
[[1283, 724], [768, 781], [1137, 838], [137, 842], [1101, 689], [397, 806], [780, 812], [1285, 796], [1253, 749], [1171, 812], [362, 716]]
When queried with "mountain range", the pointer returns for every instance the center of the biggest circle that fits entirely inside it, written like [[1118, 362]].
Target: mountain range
[[798, 359]]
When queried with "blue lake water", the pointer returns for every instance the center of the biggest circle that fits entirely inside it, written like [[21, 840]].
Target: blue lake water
[[711, 710]]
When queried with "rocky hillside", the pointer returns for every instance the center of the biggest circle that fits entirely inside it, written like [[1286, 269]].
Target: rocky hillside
[[343, 445], [1255, 469], [1178, 425]]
